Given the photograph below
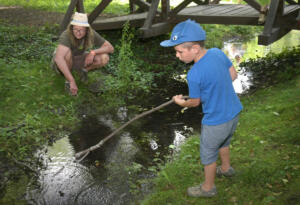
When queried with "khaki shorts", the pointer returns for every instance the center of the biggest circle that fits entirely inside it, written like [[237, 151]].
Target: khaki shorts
[[78, 62]]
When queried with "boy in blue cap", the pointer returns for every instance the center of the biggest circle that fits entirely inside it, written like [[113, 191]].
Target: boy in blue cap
[[210, 83]]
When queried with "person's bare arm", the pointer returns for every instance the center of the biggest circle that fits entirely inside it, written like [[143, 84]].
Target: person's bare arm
[[192, 102], [61, 52], [105, 48], [233, 73]]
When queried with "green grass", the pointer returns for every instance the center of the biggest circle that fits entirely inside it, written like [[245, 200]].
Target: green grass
[[115, 7], [264, 151]]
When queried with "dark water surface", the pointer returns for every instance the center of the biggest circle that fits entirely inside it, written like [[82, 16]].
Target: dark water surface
[[109, 175]]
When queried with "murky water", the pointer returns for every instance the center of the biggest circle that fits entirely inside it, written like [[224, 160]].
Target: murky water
[[109, 175]]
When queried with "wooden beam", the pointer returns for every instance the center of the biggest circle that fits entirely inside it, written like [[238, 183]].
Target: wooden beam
[[144, 6], [278, 24], [67, 16], [117, 22], [254, 4], [275, 35], [79, 6], [199, 2], [132, 7], [165, 7], [151, 14], [291, 2], [96, 12], [215, 2], [156, 29], [178, 8], [274, 12]]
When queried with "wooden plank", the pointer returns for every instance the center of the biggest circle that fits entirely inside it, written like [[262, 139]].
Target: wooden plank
[[68, 15], [96, 12], [254, 4], [136, 20], [151, 14], [209, 10], [243, 20], [198, 9], [225, 11], [239, 11], [181, 6]]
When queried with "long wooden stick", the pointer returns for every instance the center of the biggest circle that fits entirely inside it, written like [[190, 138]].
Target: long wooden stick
[[85, 152]]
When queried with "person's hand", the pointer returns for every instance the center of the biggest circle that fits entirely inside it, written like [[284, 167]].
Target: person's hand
[[89, 59], [73, 88], [178, 99]]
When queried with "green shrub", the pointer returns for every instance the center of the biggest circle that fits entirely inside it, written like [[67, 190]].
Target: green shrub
[[126, 80]]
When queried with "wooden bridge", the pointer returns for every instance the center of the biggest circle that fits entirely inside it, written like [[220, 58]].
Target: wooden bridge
[[277, 18]]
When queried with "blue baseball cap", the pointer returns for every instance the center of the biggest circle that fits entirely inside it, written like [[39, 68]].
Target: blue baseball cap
[[185, 31]]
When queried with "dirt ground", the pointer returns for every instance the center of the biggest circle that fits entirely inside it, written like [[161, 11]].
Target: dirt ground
[[17, 15]]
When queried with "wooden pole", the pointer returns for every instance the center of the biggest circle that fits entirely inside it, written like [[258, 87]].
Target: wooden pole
[[85, 152], [68, 16]]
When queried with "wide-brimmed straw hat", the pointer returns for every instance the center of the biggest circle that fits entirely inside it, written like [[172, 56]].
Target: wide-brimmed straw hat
[[80, 19]]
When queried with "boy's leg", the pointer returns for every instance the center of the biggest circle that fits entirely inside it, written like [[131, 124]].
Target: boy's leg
[[225, 158], [209, 173], [225, 169]]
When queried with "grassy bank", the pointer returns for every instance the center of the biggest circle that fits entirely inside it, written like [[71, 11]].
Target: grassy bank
[[62, 5], [35, 109], [264, 151]]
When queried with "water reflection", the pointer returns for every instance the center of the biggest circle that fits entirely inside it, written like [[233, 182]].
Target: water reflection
[[242, 51], [65, 182], [107, 174]]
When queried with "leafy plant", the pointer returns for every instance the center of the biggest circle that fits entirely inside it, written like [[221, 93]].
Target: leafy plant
[[274, 68], [127, 80]]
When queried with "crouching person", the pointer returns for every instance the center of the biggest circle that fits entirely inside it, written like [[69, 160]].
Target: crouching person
[[80, 48]]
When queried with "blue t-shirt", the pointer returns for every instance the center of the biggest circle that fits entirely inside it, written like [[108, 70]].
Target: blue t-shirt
[[209, 79]]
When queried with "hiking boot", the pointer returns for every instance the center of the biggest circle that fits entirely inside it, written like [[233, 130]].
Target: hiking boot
[[197, 191], [229, 173]]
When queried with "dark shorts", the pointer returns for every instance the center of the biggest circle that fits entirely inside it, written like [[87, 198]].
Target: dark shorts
[[214, 137], [78, 62]]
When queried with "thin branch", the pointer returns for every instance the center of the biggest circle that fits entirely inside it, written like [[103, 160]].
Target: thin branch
[[100, 143], [24, 165]]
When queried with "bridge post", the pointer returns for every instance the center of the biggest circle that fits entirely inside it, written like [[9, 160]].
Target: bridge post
[[67, 16]]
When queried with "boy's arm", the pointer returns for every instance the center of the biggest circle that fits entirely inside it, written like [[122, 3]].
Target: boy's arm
[[61, 63], [192, 102], [233, 73]]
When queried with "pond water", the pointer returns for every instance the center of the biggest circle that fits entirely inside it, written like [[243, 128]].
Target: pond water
[[242, 51], [117, 172], [106, 175]]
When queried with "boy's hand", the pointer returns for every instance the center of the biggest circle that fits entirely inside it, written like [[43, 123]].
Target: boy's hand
[[178, 99]]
